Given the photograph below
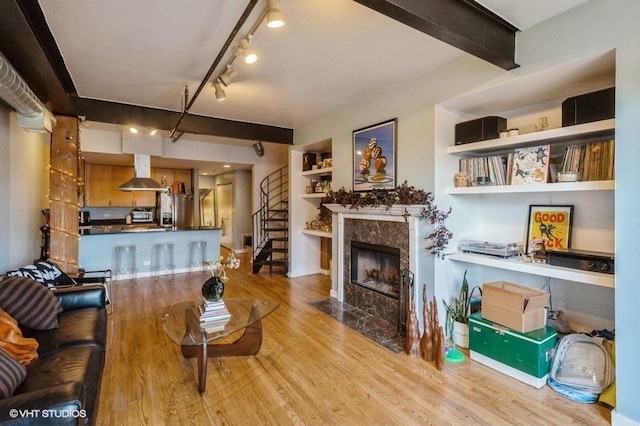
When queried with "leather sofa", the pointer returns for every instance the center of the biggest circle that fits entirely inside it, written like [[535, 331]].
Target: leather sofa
[[62, 385]]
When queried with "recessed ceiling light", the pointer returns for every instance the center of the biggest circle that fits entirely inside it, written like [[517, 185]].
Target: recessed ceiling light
[[133, 130], [226, 166], [153, 132]]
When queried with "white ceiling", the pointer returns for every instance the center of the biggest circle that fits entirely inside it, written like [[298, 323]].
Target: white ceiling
[[328, 53]]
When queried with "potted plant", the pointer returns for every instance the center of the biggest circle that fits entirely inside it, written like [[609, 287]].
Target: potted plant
[[457, 315]]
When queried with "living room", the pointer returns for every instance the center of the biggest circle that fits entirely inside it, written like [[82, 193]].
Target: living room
[[596, 26]]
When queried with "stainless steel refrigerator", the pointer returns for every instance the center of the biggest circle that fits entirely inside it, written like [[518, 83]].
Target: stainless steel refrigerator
[[183, 211]]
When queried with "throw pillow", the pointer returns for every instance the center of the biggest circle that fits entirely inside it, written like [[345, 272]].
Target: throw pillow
[[30, 303], [12, 374], [47, 273]]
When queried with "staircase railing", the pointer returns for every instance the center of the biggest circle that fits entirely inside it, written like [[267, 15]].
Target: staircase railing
[[274, 195]]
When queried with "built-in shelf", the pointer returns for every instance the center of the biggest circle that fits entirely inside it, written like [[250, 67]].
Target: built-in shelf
[[579, 133], [541, 269], [314, 195], [596, 185], [317, 172], [316, 233]]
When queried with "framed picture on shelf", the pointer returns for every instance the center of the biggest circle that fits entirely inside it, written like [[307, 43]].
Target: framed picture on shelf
[[549, 227], [374, 156]]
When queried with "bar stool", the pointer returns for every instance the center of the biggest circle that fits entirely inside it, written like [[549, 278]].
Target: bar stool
[[163, 259], [125, 261], [197, 255]]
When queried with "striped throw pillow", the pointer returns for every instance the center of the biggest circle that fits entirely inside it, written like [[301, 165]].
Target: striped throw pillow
[[12, 374], [30, 303]]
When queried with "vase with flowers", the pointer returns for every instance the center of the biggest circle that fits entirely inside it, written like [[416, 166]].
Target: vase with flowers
[[213, 288]]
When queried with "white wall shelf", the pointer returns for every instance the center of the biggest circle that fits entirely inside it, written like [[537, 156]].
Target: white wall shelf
[[541, 269], [579, 133], [318, 172], [314, 195], [599, 185], [316, 233]]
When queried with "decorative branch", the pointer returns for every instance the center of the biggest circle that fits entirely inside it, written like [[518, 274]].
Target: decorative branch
[[404, 194]]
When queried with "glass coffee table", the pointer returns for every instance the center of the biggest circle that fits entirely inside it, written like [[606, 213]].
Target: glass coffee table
[[181, 323]]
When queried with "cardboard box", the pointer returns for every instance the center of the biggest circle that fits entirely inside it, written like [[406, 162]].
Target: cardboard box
[[523, 356], [517, 307]]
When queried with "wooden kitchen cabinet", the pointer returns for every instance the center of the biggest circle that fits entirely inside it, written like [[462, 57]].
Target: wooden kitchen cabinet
[[102, 183], [98, 185]]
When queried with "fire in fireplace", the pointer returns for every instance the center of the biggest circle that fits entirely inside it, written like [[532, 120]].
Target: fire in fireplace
[[376, 267]]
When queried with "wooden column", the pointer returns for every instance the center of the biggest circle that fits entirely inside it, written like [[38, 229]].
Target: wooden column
[[63, 193]]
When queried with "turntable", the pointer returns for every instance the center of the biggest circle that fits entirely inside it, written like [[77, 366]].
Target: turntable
[[489, 248]]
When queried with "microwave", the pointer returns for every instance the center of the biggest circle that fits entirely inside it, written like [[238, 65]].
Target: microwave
[[141, 216]]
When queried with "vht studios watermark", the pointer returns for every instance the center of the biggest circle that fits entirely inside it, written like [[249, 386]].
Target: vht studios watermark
[[47, 414]]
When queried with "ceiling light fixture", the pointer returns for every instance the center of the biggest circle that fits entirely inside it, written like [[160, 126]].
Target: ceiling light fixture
[[133, 130], [227, 77], [220, 95], [275, 19], [249, 53]]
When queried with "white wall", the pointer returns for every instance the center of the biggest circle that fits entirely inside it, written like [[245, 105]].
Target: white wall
[[413, 103], [24, 172], [594, 26], [598, 25]]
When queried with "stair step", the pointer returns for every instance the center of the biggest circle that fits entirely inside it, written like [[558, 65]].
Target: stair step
[[279, 239], [273, 262], [275, 229], [276, 219], [276, 250]]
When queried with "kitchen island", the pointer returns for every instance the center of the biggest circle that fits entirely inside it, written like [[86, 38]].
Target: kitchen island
[[97, 247]]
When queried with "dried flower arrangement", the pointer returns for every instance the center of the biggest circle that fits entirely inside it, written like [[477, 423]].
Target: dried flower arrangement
[[404, 194]]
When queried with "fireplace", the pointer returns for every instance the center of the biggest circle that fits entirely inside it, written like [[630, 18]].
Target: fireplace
[[376, 267]]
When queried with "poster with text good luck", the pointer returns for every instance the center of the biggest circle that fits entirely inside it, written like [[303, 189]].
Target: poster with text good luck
[[551, 223]]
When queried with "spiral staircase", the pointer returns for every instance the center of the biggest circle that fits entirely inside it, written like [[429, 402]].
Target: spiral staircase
[[270, 224]]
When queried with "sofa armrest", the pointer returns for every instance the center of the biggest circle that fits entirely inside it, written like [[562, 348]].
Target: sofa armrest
[[63, 404], [87, 296]]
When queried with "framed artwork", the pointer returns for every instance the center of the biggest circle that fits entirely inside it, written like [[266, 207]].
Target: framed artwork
[[551, 224], [374, 156]]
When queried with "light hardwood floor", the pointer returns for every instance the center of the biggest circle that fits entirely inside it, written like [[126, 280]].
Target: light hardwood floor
[[311, 370]]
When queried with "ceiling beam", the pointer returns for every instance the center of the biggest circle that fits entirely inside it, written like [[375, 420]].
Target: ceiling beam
[[27, 43], [464, 24], [124, 114]]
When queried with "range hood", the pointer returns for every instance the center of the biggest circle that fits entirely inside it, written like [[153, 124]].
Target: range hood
[[142, 180]]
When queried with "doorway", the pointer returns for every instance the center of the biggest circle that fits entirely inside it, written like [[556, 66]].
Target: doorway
[[224, 216]]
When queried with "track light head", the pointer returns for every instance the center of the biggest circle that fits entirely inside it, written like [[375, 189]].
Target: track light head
[[275, 19], [259, 148], [220, 95], [249, 53], [227, 77]]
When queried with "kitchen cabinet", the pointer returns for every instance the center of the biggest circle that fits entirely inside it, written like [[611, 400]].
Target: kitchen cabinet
[[173, 175], [101, 188], [499, 213]]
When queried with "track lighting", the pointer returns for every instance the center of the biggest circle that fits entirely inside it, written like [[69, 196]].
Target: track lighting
[[275, 19], [220, 95], [249, 53], [227, 77]]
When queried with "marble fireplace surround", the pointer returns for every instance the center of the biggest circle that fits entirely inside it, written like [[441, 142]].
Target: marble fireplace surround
[[381, 226]]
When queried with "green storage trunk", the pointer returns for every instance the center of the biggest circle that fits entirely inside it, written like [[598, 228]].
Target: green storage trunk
[[524, 356]]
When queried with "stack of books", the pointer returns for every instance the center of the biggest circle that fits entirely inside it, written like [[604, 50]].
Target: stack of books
[[214, 315]]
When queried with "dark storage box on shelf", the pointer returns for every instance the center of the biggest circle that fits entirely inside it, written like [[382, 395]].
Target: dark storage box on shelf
[[480, 129], [309, 160], [593, 106]]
